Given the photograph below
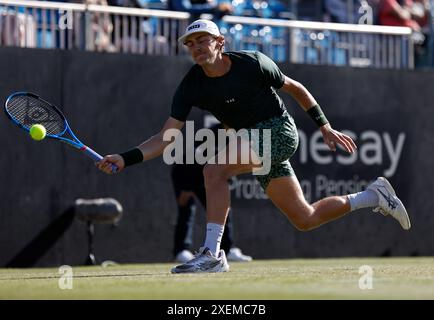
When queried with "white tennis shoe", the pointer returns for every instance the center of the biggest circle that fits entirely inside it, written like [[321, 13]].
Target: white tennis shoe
[[236, 255], [204, 261], [184, 256], [389, 203]]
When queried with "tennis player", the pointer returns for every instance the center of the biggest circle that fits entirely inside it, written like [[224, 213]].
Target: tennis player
[[239, 89]]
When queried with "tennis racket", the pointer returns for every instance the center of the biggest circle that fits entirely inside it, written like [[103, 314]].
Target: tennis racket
[[26, 109]]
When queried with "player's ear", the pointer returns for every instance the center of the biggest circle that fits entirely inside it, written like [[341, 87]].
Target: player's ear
[[221, 41]]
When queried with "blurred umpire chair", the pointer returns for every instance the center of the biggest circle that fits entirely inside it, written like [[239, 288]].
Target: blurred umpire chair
[[92, 211]]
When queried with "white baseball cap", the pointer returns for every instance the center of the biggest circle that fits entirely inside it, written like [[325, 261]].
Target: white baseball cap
[[200, 25]]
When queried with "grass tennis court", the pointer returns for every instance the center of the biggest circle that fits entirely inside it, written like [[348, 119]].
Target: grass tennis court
[[393, 278]]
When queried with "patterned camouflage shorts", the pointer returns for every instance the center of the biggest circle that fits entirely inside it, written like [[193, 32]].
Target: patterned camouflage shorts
[[284, 143]]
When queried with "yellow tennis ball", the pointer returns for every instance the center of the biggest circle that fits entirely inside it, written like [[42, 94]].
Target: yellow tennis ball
[[37, 132]]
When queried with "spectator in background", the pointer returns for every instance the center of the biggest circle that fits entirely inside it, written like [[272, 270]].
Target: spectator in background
[[420, 12], [343, 11], [102, 28], [412, 14], [189, 185], [17, 28], [29, 27], [197, 7], [400, 13]]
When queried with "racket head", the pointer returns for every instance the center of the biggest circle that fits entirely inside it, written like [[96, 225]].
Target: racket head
[[26, 109]]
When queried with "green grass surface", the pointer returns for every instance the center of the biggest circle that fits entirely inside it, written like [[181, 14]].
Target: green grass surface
[[393, 278]]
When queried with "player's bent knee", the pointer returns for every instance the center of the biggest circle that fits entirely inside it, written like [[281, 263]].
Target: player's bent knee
[[304, 223], [303, 226]]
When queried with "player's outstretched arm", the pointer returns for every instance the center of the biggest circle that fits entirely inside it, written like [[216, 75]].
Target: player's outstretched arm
[[149, 149], [305, 100], [303, 97]]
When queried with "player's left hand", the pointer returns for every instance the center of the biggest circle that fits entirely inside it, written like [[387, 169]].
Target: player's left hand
[[333, 137]]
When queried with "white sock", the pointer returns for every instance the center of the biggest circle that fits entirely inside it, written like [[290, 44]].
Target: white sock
[[214, 234], [363, 199]]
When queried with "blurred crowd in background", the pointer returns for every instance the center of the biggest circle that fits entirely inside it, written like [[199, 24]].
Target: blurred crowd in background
[[415, 14], [408, 13]]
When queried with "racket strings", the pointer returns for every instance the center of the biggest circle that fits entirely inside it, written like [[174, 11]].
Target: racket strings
[[29, 111]]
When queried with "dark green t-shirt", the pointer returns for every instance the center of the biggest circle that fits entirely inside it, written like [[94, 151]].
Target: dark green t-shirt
[[240, 98]]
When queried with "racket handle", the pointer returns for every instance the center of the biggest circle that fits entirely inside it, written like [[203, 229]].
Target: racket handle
[[96, 156]]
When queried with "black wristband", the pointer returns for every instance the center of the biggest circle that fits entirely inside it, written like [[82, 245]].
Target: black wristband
[[132, 156], [317, 115]]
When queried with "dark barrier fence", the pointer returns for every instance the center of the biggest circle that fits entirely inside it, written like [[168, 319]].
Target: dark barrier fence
[[114, 102]]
